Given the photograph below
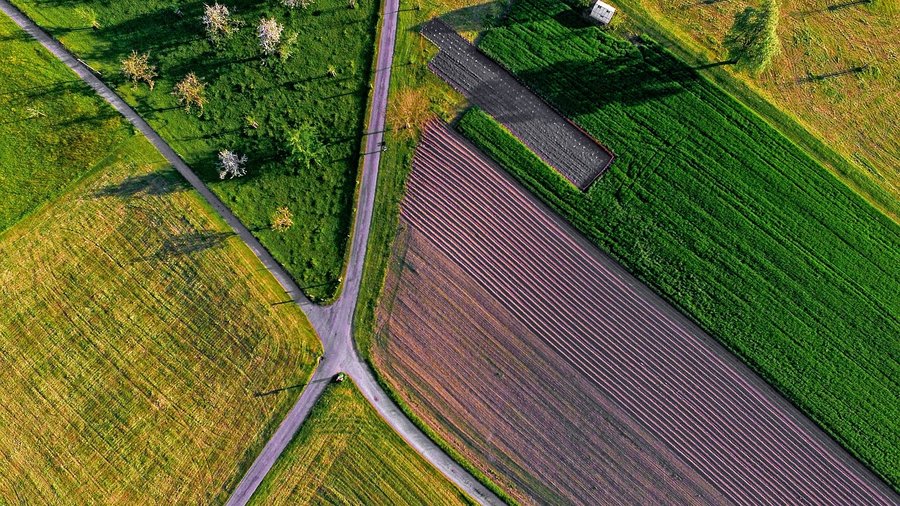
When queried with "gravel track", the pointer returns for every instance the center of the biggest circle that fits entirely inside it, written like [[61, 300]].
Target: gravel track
[[560, 143], [663, 372]]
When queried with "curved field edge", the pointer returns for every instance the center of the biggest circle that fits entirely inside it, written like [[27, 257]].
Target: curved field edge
[[132, 227], [252, 105], [548, 185], [346, 452]]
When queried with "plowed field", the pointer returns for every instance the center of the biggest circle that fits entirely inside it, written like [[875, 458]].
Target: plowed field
[[559, 374]]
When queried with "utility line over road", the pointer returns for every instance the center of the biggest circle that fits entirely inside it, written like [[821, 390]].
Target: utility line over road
[[332, 323]]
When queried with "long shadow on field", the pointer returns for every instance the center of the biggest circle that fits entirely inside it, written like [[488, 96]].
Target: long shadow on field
[[156, 183], [640, 75], [192, 242]]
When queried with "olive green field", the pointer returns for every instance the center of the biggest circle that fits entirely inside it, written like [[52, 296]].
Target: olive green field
[[345, 453], [139, 339]]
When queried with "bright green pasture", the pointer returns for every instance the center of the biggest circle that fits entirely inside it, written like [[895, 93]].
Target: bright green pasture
[[252, 104]]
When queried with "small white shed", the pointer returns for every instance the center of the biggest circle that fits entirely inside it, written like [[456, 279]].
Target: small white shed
[[602, 12]]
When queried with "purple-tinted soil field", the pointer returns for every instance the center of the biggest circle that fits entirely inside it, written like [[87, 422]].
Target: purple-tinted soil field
[[565, 379], [560, 143]]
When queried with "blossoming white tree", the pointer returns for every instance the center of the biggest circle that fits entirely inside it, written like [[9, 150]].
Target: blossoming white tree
[[269, 32], [231, 165], [293, 4], [217, 21]]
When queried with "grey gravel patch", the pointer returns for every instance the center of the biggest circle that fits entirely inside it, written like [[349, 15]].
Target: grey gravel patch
[[555, 139]]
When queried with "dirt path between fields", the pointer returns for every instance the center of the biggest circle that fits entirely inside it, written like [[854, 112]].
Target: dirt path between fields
[[333, 323]]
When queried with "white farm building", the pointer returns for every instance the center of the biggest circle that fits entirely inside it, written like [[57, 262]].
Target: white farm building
[[602, 12]]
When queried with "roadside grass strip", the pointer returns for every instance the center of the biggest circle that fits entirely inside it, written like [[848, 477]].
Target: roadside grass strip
[[346, 454]]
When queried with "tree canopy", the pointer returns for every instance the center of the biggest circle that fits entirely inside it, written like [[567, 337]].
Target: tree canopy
[[752, 42]]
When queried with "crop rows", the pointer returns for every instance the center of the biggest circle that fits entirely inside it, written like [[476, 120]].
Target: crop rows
[[564, 146], [723, 216], [658, 368]]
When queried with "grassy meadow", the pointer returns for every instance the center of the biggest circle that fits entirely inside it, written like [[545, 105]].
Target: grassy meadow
[[346, 454], [135, 329], [852, 112], [253, 104], [49, 119]]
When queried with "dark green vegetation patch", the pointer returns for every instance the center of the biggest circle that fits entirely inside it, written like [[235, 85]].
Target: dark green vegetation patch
[[723, 216], [253, 104]]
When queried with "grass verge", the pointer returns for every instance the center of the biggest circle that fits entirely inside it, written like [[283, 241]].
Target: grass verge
[[345, 453]]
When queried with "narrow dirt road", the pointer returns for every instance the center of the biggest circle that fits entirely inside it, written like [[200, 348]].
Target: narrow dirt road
[[332, 323]]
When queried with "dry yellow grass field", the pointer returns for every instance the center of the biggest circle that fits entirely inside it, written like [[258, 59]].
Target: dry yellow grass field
[[134, 334], [346, 454]]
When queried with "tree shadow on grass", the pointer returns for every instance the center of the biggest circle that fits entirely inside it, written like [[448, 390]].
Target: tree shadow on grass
[[156, 183], [190, 243], [641, 74]]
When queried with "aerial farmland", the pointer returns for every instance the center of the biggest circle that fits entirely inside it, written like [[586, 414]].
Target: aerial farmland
[[392, 252]]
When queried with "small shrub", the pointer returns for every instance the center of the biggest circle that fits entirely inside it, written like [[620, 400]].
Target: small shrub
[[137, 68], [282, 219]]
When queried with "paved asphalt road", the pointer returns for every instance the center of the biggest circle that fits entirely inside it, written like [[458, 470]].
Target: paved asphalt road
[[333, 323]]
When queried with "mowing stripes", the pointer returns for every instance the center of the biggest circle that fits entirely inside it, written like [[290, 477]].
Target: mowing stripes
[[661, 371], [558, 141]]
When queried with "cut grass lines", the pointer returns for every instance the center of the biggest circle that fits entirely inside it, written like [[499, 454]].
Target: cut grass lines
[[346, 454]]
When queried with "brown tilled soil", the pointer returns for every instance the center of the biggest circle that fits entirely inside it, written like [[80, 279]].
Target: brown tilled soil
[[472, 371], [566, 380]]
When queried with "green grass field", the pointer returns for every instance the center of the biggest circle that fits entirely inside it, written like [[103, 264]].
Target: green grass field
[[242, 86], [723, 216], [135, 328], [50, 119], [346, 454], [853, 113]]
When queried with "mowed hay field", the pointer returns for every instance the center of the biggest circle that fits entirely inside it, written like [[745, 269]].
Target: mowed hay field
[[346, 454], [49, 119], [134, 328], [723, 216], [565, 379], [135, 332], [853, 112], [253, 105]]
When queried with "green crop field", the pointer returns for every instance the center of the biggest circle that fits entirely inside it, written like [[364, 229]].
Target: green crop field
[[723, 216], [49, 119], [253, 104], [346, 454], [135, 329]]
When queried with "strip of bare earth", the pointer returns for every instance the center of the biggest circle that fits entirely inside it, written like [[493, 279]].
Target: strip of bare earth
[[558, 141]]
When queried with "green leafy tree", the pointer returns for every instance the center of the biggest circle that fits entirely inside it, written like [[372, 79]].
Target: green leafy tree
[[304, 145], [752, 42]]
